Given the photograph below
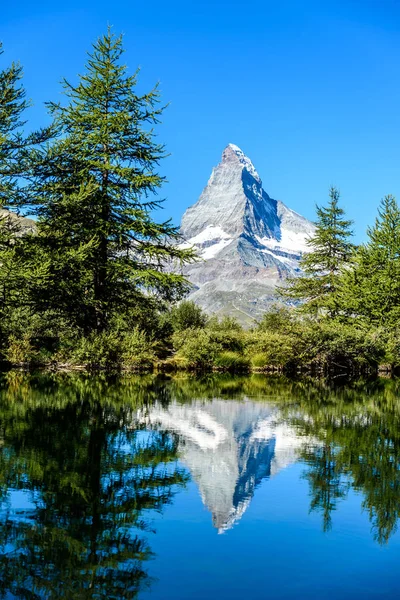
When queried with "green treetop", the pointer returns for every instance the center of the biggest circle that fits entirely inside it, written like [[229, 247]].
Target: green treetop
[[13, 103], [330, 249], [94, 192], [371, 288], [12, 106]]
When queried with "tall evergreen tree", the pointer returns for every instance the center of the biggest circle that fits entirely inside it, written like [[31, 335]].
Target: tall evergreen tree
[[330, 249], [13, 104], [371, 288], [94, 192]]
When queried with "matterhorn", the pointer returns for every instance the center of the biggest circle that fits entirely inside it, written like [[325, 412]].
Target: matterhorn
[[248, 243]]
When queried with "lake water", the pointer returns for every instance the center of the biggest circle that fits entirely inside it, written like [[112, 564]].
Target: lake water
[[182, 488]]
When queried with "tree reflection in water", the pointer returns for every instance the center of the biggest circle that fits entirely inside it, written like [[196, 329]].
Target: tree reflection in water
[[91, 475], [93, 470]]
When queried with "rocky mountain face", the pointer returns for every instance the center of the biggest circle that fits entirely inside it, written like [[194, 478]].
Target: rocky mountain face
[[22, 225], [248, 242]]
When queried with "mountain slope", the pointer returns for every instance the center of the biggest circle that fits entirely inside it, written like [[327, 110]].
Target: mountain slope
[[248, 241], [23, 225]]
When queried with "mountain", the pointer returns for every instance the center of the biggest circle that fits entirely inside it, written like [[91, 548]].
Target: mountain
[[229, 447], [249, 243], [23, 225]]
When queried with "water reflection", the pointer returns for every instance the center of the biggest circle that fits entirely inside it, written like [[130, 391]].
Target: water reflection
[[229, 448], [89, 476], [85, 462]]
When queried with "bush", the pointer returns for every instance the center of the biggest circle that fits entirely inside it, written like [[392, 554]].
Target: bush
[[195, 348], [272, 349], [225, 324], [112, 350], [138, 351], [99, 351], [340, 345], [186, 315], [19, 350], [259, 360], [231, 361], [277, 318]]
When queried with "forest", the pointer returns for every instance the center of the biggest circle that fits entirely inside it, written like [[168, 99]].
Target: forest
[[96, 282]]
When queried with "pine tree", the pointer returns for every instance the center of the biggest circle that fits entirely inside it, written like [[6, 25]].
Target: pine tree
[[94, 193], [330, 249], [371, 288]]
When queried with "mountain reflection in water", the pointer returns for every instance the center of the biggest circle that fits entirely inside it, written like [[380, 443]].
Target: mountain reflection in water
[[86, 463], [229, 447]]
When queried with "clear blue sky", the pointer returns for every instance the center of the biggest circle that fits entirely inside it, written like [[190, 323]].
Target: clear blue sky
[[309, 89]]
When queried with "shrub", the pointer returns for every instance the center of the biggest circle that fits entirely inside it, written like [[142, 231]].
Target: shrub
[[225, 324], [340, 345], [138, 351], [196, 348], [277, 318], [186, 315], [99, 351], [273, 349], [231, 361], [259, 360], [227, 334], [20, 351]]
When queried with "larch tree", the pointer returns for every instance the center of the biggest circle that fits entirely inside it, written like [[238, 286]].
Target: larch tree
[[94, 190], [13, 104]]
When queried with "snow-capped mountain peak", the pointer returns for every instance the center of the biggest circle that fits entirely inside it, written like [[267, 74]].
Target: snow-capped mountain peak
[[248, 241], [242, 158]]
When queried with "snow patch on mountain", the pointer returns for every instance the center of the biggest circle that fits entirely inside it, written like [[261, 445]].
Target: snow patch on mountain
[[290, 241], [209, 242]]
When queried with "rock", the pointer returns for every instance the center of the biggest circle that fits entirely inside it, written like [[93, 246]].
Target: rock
[[23, 224]]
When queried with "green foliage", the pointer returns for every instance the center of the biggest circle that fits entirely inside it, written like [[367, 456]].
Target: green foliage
[[20, 351], [195, 348], [13, 104], [273, 349], [370, 289], [330, 250], [99, 351], [259, 360], [231, 361], [226, 324], [277, 318], [93, 191], [110, 350], [186, 315], [137, 351], [339, 345]]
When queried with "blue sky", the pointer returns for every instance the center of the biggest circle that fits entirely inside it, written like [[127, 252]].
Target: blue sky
[[309, 89]]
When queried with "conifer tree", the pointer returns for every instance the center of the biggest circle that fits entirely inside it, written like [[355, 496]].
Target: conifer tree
[[371, 288], [94, 192], [330, 249], [13, 104]]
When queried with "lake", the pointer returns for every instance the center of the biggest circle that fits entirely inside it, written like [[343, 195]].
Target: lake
[[185, 488]]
